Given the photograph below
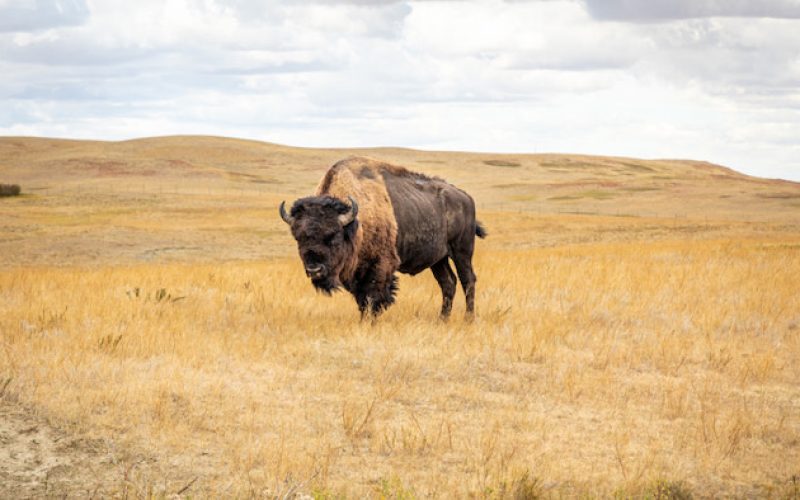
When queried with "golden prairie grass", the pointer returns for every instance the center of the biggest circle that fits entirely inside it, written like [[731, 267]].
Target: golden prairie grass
[[616, 368], [149, 306]]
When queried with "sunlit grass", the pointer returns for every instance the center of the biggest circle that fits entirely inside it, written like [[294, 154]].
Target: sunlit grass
[[645, 345], [595, 368]]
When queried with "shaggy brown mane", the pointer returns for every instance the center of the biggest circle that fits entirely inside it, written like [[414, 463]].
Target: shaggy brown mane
[[411, 174], [353, 162]]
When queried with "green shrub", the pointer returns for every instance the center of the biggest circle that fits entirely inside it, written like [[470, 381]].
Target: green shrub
[[9, 190]]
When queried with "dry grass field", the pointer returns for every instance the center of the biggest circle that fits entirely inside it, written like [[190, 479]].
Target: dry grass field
[[637, 333]]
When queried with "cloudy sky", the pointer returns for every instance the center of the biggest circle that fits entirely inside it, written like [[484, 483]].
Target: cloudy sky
[[715, 80]]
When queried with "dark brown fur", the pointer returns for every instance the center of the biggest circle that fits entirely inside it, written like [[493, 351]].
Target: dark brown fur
[[406, 222]]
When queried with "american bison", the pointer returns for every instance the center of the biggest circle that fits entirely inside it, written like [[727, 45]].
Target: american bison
[[370, 219]]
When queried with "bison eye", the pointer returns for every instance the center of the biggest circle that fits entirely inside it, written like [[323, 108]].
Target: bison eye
[[328, 240]]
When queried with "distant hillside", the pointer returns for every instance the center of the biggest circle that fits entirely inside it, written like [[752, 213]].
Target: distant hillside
[[544, 183]]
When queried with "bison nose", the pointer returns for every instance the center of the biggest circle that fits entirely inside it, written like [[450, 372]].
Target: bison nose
[[315, 271]]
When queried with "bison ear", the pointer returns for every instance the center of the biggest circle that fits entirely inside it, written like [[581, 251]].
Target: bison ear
[[349, 216]]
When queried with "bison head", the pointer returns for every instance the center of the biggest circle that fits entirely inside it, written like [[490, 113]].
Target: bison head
[[325, 229]]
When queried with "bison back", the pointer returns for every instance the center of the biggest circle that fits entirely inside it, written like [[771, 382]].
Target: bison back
[[430, 213]]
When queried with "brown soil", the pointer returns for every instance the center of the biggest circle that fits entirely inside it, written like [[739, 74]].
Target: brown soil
[[40, 460]]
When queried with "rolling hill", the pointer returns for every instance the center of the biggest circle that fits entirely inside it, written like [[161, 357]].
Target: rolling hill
[[210, 198], [545, 183]]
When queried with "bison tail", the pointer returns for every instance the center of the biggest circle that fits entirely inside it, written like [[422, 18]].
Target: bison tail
[[480, 231]]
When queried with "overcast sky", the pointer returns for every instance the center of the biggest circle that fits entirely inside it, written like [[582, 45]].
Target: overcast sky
[[715, 80]]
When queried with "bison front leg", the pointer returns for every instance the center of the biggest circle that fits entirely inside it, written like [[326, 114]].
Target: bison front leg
[[363, 303], [382, 294], [374, 292]]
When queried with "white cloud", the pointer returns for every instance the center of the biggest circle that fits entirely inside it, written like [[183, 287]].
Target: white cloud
[[482, 75], [32, 15], [535, 35], [660, 10]]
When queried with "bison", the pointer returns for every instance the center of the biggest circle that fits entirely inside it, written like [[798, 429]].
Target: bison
[[370, 219]]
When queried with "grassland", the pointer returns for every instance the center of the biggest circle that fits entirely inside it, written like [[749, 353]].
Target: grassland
[[158, 334]]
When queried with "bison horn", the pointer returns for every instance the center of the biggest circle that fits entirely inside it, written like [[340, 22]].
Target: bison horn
[[286, 217], [350, 216]]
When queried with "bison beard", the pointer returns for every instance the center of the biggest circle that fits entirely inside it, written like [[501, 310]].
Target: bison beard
[[396, 220]]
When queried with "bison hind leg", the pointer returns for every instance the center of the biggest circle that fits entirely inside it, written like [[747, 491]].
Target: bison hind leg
[[447, 282], [466, 275]]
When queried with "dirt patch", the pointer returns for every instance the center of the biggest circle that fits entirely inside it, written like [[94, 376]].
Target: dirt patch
[[40, 460], [37, 459], [98, 167], [582, 183], [503, 163], [636, 167]]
